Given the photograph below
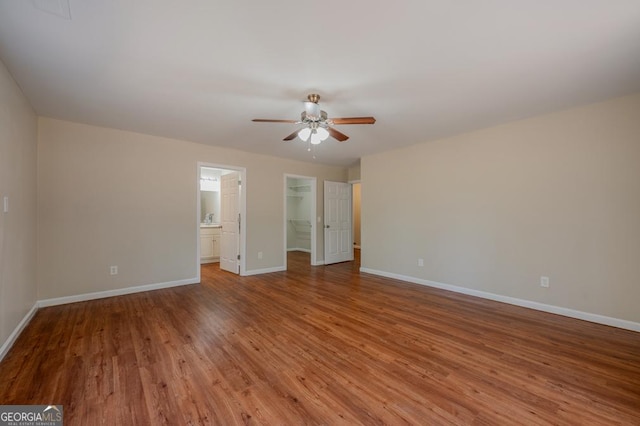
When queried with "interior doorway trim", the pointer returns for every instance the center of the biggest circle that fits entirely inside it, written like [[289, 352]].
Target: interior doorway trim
[[243, 213], [313, 220]]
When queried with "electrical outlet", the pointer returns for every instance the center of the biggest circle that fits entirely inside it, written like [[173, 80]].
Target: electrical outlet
[[259, 255], [420, 262], [113, 270], [544, 282]]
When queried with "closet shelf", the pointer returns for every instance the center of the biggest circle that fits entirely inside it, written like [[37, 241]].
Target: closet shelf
[[297, 222], [300, 188]]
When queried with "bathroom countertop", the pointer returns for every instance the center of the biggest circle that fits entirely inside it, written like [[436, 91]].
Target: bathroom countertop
[[210, 225]]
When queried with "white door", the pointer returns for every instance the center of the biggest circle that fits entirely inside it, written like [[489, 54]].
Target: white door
[[230, 204], [338, 238]]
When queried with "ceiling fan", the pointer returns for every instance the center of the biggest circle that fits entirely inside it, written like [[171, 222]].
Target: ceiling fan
[[317, 125]]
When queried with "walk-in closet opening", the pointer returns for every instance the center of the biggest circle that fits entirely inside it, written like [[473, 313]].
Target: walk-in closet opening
[[300, 229]]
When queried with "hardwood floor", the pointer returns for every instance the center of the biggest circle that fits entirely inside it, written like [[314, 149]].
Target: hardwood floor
[[320, 345]]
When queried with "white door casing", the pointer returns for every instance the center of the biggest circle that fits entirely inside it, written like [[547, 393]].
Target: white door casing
[[229, 247], [338, 237]]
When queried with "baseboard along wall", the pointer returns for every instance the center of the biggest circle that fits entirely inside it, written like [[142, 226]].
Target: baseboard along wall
[[572, 313], [6, 346], [586, 316]]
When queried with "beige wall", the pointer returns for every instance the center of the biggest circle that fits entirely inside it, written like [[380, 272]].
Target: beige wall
[[18, 137], [493, 210], [110, 197], [354, 173]]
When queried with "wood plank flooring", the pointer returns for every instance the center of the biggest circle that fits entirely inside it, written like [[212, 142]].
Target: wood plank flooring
[[320, 345]]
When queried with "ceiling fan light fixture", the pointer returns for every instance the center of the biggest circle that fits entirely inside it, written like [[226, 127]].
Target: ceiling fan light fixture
[[317, 135], [321, 133], [304, 133], [315, 139]]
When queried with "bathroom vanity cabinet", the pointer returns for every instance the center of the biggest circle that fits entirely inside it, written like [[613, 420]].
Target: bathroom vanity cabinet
[[209, 243]]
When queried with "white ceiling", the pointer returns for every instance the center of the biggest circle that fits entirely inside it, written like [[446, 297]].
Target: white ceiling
[[200, 70]]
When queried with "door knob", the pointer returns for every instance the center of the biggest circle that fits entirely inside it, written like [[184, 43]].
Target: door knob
[[327, 226]]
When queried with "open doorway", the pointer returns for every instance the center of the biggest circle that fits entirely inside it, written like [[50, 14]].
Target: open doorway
[[356, 198], [300, 212], [221, 207], [356, 215]]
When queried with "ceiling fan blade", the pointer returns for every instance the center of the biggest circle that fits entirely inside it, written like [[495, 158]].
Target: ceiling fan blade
[[337, 135], [267, 120], [291, 136], [353, 120]]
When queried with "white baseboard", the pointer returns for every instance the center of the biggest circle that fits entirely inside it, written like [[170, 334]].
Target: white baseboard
[[84, 297], [264, 271], [16, 332], [317, 263], [586, 316], [116, 292]]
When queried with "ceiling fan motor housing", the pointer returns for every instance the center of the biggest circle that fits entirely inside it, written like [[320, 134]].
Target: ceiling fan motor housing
[[313, 116]]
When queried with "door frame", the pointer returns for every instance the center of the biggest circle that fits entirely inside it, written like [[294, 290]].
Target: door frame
[[243, 212], [314, 212]]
